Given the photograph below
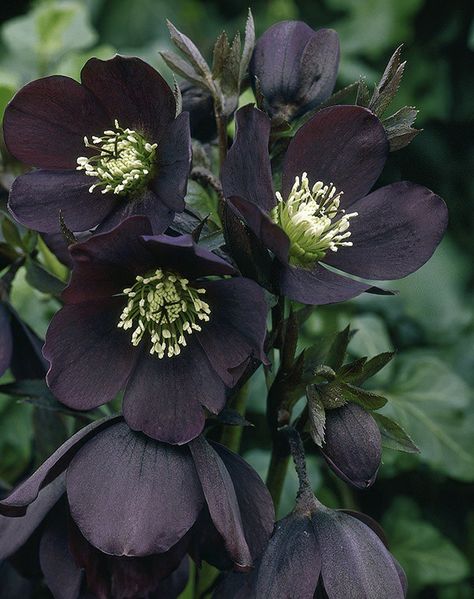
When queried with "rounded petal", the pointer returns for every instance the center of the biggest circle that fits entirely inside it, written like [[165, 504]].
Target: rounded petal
[[246, 171], [291, 564], [231, 338], [354, 561], [353, 445], [131, 92], [6, 342], [25, 493], [90, 357], [317, 286], [343, 145], [46, 121], [15, 531], [184, 256], [163, 398], [255, 502], [174, 164], [37, 199], [221, 500], [397, 229], [130, 495], [107, 263]]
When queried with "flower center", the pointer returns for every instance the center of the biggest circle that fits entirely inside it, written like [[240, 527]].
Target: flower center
[[164, 305], [123, 163], [313, 220]]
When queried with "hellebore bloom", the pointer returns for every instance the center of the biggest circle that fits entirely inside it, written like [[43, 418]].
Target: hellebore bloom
[[353, 445], [200, 105], [106, 149], [140, 313], [317, 552], [20, 347], [138, 499], [323, 216], [296, 68]]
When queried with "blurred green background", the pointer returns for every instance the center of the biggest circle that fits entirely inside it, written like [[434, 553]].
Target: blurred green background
[[425, 502]]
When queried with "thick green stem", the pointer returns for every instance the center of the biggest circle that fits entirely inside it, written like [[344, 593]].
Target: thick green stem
[[277, 474], [231, 435]]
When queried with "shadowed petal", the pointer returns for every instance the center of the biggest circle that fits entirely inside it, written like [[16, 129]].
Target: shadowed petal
[[174, 164], [354, 561], [231, 337], [237, 585], [246, 171], [141, 496], [343, 145], [163, 398], [6, 344], [14, 532], [291, 563], [221, 500], [90, 357], [46, 121], [37, 198], [397, 229], [27, 359], [269, 233], [317, 286], [25, 493], [255, 502], [353, 445], [107, 263], [132, 92]]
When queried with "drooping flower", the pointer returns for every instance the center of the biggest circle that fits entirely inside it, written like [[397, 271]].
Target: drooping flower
[[296, 68], [20, 347], [135, 508], [316, 552], [106, 149], [324, 217], [142, 314]]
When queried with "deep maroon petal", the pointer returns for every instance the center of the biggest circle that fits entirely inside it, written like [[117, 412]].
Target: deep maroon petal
[[132, 92], [15, 531], [163, 398], [246, 171], [343, 145], [91, 358], [6, 343], [107, 263], [237, 585], [291, 563], [353, 445], [255, 502], [27, 359], [397, 229], [184, 256], [318, 285], [174, 164], [61, 573], [130, 495], [25, 493], [221, 500], [354, 562], [270, 234], [237, 326], [46, 121], [37, 199]]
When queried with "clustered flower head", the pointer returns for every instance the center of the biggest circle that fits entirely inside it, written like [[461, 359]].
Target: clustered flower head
[[167, 328]]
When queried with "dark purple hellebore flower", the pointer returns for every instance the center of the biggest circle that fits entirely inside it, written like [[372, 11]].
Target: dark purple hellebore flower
[[138, 499], [20, 347], [142, 315], [323, 216], [296, 68], [106, 148], [200, 105], [353, 445], [316, 553]]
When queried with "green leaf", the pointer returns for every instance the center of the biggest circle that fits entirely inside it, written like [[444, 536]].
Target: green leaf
[[435, 407], [183, 68], [393, 436], [337, 351], [426, 555], [386, 90], [249, 45], [372, 367], [16, 433], [11, 233], [189, 49], [398, 127], [39, 278], [367, 399]]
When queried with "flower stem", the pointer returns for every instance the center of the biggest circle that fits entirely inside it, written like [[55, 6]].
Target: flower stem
[[231, 435], [277, 474]]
